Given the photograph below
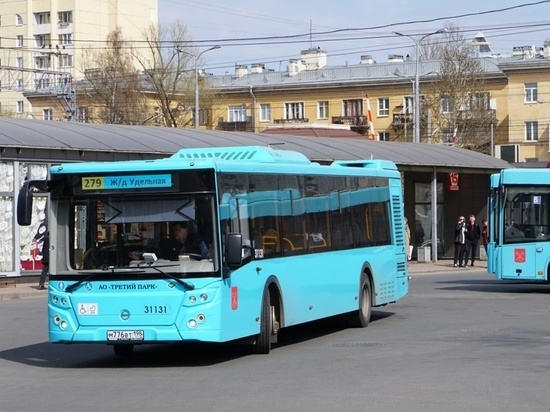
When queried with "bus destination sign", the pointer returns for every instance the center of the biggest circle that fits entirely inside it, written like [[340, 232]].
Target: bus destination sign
[[126, 182]]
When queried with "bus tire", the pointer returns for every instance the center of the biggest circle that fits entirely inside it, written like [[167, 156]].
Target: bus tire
[[123, 349], [262, 346], [361, 317]]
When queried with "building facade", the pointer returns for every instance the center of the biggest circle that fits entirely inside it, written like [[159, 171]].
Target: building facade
[[43, 43]]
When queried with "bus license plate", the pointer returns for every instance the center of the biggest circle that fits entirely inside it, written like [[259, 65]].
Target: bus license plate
[[125, 335]]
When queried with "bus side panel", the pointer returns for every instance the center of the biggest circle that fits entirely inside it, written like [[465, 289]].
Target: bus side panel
[[313, 287]]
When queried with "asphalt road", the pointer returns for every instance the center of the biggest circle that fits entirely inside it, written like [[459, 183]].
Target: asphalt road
[[460, 341]]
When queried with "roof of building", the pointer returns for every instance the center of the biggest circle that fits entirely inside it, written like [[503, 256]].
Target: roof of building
[[350, 74], [58, 137]]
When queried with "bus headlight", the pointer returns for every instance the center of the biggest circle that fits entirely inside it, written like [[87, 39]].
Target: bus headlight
[[192, 323]]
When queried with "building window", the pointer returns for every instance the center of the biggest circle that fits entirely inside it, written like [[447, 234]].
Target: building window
[[64, 17], [446, 104], [408, 104], [384, 136], [480, 101], [65, 60], [353, 107], [19, 41], [236, 113], [384, 106], [66, 38], [18, 20], [322, 110], [47, 114], [42, 18], [20, 106], [265, 112], [83, 115], [531, 131], [19, 62], [42, 83], [531, 93], [294, 111], [19, 84], [41, 62], [42, 40]]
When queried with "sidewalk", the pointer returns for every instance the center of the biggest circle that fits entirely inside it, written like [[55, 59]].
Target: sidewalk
[[416, 268], [22, 290], [30, 290]]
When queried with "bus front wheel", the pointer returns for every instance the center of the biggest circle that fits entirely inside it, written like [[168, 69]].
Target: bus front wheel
[[267, 326], [361, 318]]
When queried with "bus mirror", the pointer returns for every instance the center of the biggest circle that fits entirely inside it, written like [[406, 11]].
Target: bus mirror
[[24, 206], [24, 200], [233, 249]]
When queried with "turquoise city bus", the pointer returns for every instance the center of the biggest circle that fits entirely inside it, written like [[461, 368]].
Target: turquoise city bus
[[519, 225], [288, 241]]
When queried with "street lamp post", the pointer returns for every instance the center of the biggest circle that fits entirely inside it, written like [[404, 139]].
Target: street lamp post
[[396, 73], [195, 59], [417, 42]]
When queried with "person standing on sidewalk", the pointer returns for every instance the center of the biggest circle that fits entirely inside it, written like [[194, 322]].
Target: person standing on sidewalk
[[460, 243], [408, 246], [473, 233], [484, 234], [45, 260]]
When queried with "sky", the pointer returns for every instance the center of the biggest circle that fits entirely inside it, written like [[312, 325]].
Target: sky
[[273, 32]]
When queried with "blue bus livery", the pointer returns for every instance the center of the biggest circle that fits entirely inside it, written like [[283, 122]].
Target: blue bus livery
[[288, 241], [519, 225]]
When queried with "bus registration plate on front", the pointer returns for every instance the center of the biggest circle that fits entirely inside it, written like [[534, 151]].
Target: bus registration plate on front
[[125, 335]]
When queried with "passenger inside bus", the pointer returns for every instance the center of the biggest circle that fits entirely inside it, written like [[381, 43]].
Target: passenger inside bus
[[184, 240]]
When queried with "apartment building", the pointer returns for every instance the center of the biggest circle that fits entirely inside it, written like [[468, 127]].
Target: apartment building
[[377, 100], [42, 46]]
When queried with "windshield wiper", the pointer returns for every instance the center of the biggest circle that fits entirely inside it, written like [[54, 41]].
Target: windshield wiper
[[186, 285], [72, 287]]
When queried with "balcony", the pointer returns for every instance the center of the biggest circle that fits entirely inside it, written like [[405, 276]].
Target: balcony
[[361, 121], [245, 126], [290, 121], [481, 115], [400, 120]]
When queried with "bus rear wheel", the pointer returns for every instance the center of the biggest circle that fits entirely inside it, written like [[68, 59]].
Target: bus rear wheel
[[361, 318], [268, 327], [124, 349]]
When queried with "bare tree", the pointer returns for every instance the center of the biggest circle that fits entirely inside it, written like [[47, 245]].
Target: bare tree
[[169, 64], [169, 72], [113, 84], [456, 107]]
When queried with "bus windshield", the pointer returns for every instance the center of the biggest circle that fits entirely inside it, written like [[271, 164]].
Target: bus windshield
[[526, 214], [111, 232]]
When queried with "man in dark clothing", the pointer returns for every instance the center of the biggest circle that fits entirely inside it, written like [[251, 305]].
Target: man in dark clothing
[[45, 260], [184, 241], [460, 243], [473, 233]]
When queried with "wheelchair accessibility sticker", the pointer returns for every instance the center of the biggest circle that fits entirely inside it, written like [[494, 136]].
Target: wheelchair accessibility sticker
[[88, 309]]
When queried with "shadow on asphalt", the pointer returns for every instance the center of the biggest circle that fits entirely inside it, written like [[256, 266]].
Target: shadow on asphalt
[[47, 355], [494, 286]]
